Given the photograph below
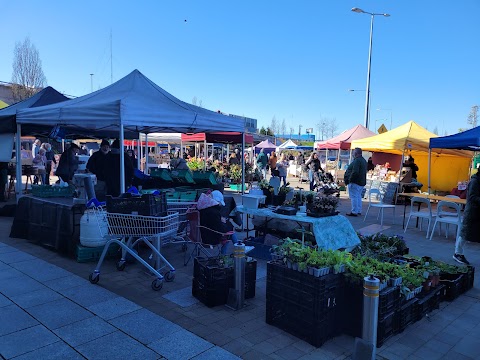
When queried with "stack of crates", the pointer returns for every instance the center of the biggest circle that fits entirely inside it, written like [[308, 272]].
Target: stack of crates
[[212, 280], [146, 205], [304, 305], [428, 301], [389, 300], [405, 314]]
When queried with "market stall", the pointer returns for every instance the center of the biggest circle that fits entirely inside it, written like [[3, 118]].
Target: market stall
[[413, 140]]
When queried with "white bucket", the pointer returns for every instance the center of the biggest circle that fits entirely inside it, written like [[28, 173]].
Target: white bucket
[[91, 230]]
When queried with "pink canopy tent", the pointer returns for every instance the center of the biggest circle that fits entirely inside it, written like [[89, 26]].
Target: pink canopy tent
[[343, 140]]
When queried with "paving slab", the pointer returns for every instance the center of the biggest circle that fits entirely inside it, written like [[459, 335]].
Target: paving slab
[[59, 313], [40, 270], [182, 297], [13, 318], [83, 331], [9, 257], [56, 351], [36, 297], [216, 353], [18, 284], [113, 308], [145, 326], [23, 341], [116, 345], [88, 294], [66, 282], [180, 345], [4, 301]]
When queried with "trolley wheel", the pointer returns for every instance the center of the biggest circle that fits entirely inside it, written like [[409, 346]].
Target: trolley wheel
[[120, 265], [169, 276], [157, 284], [184, 247], [94, 278]]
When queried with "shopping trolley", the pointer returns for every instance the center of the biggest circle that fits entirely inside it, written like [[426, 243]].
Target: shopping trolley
[[127, 230]]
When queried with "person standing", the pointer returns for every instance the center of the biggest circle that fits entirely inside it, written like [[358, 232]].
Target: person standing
[[50, 155], [262, 163], [97, 164], [471, 220], [282, 166], [356, 179], [68, 163], [272, 162], [112, 170], [314, 166]]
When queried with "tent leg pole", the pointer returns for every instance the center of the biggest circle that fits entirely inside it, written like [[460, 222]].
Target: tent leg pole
[[243, 163], [122, 161], [146, 153], [18, 158], [139, 158], [429, 168], [205, 154]]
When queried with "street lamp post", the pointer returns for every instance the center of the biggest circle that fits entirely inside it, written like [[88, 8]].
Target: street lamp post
[[367, 96], [91, 82]]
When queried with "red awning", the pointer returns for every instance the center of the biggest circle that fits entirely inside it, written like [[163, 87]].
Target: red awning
[[218, 137], [135, 142]]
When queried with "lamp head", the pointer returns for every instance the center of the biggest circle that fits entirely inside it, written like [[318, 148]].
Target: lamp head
[[386, 15], [357, 10]]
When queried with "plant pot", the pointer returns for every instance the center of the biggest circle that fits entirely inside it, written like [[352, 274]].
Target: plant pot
[[382, 285], [295, 266], [278, 200], [395, 282], [311, 270], [289, 264], [268, 194], [340, 269]]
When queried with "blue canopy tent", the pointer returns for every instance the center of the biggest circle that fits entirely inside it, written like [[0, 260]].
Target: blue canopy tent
[[467, 140]]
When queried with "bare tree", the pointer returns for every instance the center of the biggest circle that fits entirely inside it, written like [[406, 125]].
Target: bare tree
[[323, 127], [473, 116], [196, 102], [291, 131], [27, 76], [283, 127], [274, 125], [332, 127], [435, 130]]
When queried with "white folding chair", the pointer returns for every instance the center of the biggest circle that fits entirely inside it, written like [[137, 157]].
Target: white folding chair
[[275, 183], [420, 213], [448, 213], [380, 205]]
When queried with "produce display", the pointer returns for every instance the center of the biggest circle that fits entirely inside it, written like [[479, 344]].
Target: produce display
[[410, 286]]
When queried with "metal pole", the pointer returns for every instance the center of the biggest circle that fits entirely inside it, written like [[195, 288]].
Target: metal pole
[[367, 96], [122, 161], [18, 158], [236, 297], [146, 153], [371, 289], [205, 153], [243, 163], [429, 167]]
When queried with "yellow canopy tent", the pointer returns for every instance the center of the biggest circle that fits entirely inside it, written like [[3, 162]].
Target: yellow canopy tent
[[3, 104], [448, 166]]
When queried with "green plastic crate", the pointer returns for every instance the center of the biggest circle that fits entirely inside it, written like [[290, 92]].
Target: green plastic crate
[[182, 176], [204, 177], [163, 174], [172, 196], [90, 254], [188, 196], [46, 191]]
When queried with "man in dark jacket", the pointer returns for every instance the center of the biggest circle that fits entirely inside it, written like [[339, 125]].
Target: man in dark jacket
[[97, 165], [356, 179], [68, 163], [112, 170], [471, 220]]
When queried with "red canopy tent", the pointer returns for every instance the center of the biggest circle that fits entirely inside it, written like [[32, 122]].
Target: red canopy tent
[[218, 137], [343, 140]]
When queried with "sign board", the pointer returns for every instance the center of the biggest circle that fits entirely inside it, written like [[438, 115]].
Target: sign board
[[382, 129], [387, 190]]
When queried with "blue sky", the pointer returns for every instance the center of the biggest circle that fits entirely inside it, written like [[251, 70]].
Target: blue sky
[[294, 60]]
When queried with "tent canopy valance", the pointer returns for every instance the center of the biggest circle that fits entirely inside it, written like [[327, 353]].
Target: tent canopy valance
[[218, 137], [467, 140], [136, 103], [344, 140], [265, 145]]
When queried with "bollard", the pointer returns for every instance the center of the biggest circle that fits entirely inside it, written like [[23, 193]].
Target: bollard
[[371, 289], [236, 297]]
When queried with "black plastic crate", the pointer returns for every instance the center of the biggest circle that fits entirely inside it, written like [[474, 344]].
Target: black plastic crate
[[389, 299], [299, 323], [147, 205], [213, 281], [468, 279], [405, 314], [454, 285], [352, 314], [386, 328], [428, 301]]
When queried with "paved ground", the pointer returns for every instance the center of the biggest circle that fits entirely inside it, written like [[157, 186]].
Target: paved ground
[[51, 308]]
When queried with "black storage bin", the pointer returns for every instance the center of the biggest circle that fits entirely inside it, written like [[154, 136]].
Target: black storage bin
[[147, 205], [352, 314], [386, 328], [212, 282], [389, 299], [454, 285], [405, 314], [428, 301]]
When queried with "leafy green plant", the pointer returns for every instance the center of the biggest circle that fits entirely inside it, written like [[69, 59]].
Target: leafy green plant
[[195, 164], [235, 173]]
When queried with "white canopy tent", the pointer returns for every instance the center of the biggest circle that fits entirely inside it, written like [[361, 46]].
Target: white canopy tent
[[287, 145], [134, 104]]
